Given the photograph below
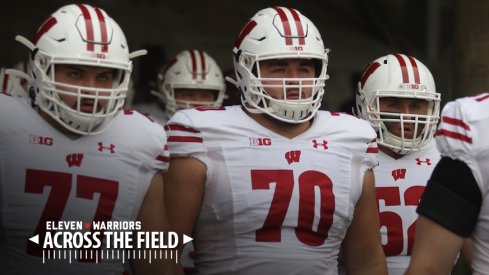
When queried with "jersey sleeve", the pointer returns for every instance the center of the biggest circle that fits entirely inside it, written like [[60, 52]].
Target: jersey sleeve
[[455, 137], [148, 140], [163, 159], [184, 138], [370, 160]]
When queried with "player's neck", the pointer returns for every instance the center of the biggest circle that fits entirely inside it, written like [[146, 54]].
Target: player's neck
[[389, 152], [56, 125], [288, 130]]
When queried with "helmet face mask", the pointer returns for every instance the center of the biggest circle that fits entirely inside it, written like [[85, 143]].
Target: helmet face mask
[[65, 101], [280, 34], [81, 36], [401, 77], [190, 70]]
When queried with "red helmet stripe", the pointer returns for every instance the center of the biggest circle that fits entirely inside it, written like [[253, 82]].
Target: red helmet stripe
[[415, 69], [45, 27], [285, 24], [103, 29], [298, 23], [369, 71], [88, 26], [246, 30], [168, 65], [405, 77], [202, 64], [194, 64]]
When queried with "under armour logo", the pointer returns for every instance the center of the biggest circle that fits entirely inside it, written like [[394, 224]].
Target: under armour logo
[[315, 144], [293, 156], [74, 160], [419, 162], [399, 174], [111, 148]]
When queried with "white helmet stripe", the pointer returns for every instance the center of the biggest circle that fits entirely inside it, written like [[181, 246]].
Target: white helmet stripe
[[287, 26], [404, 68], [298, 24], [88, 26], [103, 30], [415, 69], [91, 33]]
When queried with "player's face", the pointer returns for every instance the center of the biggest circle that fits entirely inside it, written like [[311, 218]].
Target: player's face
[[86, 76], [290, 69], [405, 106], [195, 95]]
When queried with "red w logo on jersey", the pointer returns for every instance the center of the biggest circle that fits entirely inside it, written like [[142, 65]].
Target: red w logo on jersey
[[74, 160], [399, 174], [293, 156]]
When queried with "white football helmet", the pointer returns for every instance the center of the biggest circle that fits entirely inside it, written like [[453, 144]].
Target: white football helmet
[[79, 34], [279, 33], [401, 76], [190, 69]]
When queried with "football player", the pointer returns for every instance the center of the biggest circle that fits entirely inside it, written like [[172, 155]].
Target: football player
[[191, 79], [454, 204], [275, 186], [397, 95], [71, 154]]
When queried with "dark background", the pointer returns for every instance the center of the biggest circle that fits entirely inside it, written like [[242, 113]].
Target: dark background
[[449, 36]]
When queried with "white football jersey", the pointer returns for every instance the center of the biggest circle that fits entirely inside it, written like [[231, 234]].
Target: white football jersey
[[463, 135], [399, 184], [47, 176], [273, 205]]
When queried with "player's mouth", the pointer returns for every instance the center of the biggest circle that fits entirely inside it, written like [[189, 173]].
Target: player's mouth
[[295, 95], [88, 106]]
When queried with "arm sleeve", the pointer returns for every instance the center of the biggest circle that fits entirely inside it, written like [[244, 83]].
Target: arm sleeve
[[452, 197], [184, 139]]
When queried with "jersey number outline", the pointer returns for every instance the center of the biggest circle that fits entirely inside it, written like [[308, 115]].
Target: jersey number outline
[[284, 185], [61, 184], [393, 221]]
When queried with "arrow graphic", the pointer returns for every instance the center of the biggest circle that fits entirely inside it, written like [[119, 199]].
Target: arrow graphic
[[35, 239], [186, 239]]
